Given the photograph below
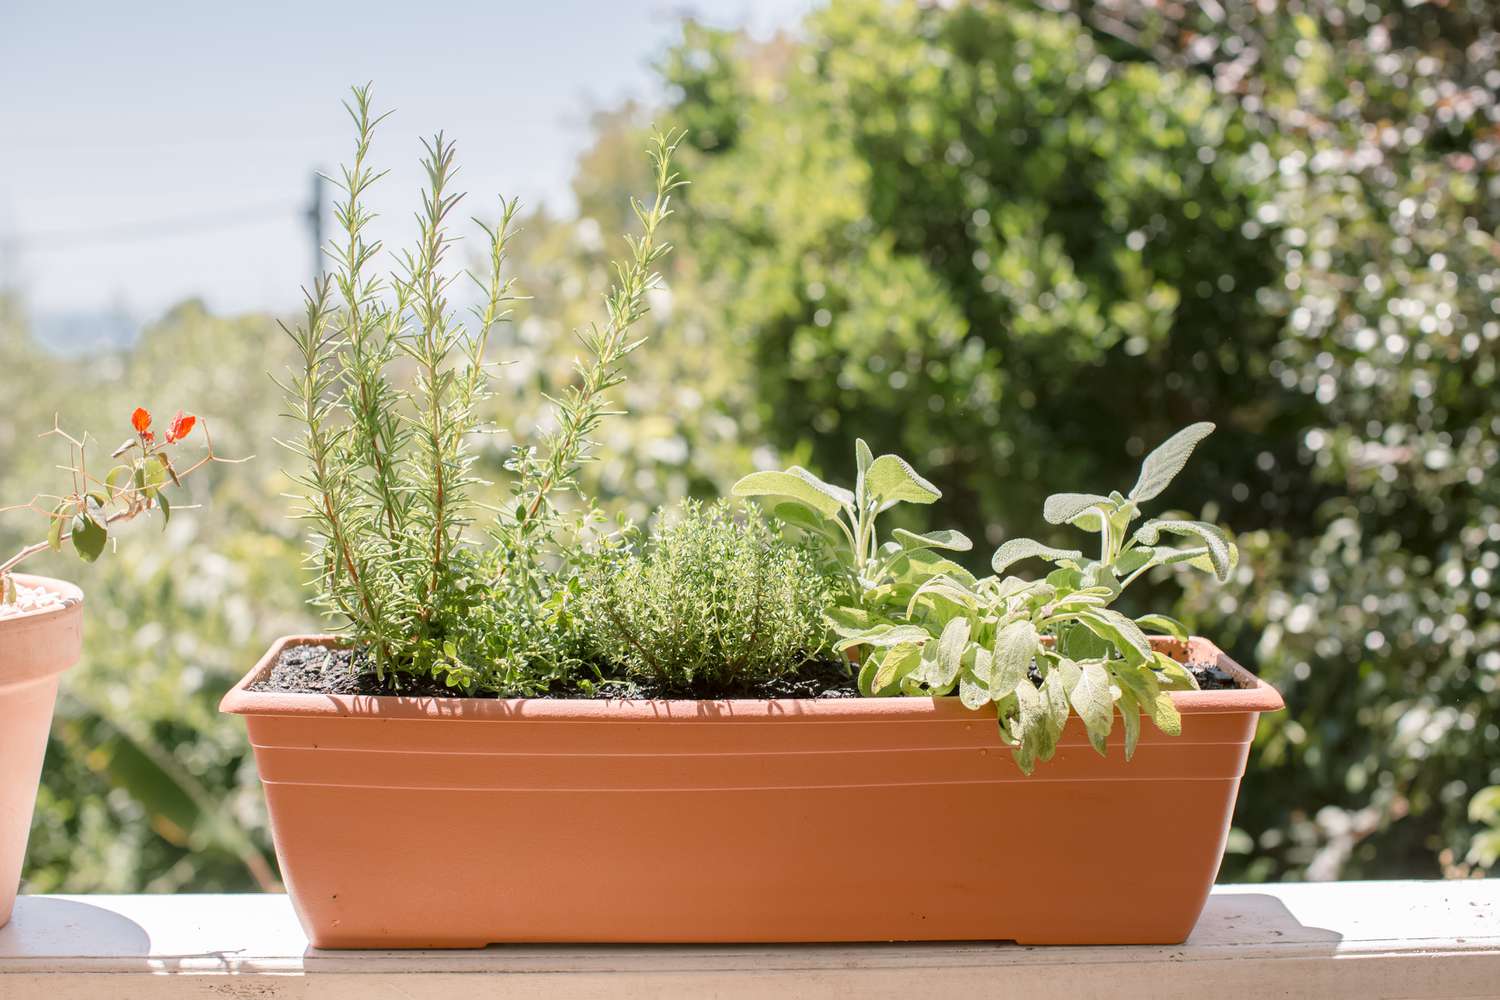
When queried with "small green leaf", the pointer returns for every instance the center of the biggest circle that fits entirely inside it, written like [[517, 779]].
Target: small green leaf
[[54, 529], [119, 479], [1089, 520], [797, 484], [798, 516], [1079, 642], [847, 622], [884, 637], [155, 471], [1119, 630], [1165, 715], [1065, 578], [1214, 540], [88, 537], [971, 691], [1178, 677], [1133, 559], [862, 459], [1092, 701], [953, 541], [1056, 688], [1015, 646], [1130, 715], [1061, 508], [950, 651], [1164, 625], [1025, 548], [1029, 726], [1140, 681], [166, 510], [894, 666], [1163, 464], [892, 479]]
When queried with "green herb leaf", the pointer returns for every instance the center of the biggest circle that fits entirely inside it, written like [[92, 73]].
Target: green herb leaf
[[884, 637], [892, 479], [971, 690], [1165, 715], [895, 665], [1092, 701], [1015, 646], [1120, 631], [1178, 677], [847, 622], [1030, 726], [798, 516], [1025, 548], [1163, 464], [1057, 686], [1165, 625], [1130, 715], [950, 651], [953, 541], [1061, 508], [797, 484], [1220, 550]]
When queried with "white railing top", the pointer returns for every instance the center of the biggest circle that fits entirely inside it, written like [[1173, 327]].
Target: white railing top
[[1326, 940]]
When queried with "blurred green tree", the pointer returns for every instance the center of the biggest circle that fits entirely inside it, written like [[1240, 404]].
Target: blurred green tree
[[1022, 242]]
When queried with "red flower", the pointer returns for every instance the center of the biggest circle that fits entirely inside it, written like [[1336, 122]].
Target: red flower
[[141, 420], [182, 426]]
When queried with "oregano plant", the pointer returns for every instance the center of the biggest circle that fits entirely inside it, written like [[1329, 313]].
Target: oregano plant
[[1035, 651]]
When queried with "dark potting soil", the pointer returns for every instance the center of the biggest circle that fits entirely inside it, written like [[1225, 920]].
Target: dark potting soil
[[321, 670]]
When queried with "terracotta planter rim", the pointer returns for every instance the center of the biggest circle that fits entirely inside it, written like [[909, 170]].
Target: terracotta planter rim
[[54, 661], [1259, 697], [70, 593]]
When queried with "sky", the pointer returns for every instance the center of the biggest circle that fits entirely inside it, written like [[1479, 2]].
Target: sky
[[158, 150]]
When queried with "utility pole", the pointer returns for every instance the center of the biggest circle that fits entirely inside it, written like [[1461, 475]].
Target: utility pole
[[316, 209]]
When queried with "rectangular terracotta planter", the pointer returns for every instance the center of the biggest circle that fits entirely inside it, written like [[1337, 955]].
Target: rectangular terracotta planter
[[449, 823]]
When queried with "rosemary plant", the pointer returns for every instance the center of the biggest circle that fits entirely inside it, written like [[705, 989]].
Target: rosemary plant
[[388, 484]]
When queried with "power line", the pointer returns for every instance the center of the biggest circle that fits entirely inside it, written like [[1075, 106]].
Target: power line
[[155, 229]]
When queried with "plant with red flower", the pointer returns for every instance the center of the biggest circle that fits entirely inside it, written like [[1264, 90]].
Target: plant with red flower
[[85, 515]]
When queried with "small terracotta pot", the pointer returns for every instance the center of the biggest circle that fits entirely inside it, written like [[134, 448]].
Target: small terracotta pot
[[35, 649], [447, 823]]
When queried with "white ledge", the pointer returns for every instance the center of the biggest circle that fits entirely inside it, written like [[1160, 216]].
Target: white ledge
[[1328, 940]]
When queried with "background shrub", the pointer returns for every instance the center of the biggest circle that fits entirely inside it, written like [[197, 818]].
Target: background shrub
[[991, 237]]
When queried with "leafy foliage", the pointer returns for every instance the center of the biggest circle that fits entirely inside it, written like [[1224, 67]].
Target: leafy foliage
[[1036, 651], [711, 603], [957, 228], [389, 486], [136, 484]]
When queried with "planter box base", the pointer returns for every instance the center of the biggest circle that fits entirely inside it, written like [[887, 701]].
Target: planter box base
[[451, 823]]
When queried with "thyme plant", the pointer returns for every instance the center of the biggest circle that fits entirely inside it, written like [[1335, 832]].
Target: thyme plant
[[388, 486], [710, 603], [1036, 651]]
